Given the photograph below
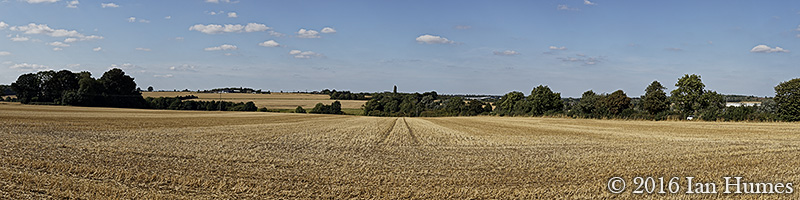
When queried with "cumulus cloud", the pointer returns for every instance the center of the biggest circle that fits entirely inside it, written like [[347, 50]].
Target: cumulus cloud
[[328, 30], [433, 39], [3, 25], [109, 5], [232, 15], [42, 1], [766, 49], [566, 8], [129, 67], [269, 43], [73, 4], [97, 49], [228, 28], [57, 49], [506, 53], [557, 48], [225, 47], [587, 2], [304, 54], [303, 33], [168, 17], [4, 53], [143, 49], [28, 67], [58, 44], [183, 67], [33, 29], [18, 38], [132, 19]]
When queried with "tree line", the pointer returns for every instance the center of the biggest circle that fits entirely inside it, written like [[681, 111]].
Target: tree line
[[113, 89], [428, 104], [689, 100]]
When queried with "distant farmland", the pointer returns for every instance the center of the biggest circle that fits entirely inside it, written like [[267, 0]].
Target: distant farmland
[[110, 153], [287, 101]]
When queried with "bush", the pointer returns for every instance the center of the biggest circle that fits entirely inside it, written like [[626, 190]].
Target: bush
[[299, 109]]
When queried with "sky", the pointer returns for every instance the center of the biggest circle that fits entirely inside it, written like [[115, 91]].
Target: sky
[[452, 47]]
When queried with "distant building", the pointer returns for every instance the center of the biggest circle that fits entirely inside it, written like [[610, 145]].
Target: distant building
[[743, 103]]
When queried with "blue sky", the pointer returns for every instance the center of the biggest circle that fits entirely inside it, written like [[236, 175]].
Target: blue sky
[[461, 47]]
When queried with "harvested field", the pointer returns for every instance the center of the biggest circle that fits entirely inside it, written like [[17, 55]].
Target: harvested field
[[109, 153], [271, 101]]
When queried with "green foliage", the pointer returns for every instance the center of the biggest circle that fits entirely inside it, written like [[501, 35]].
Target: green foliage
[[347, 95], [587, 106], [687, 95], [655, 100], [505, 106], [616, 102], [543, 100], [176, 103], [426, 105], [149, 88], [334, 108], [299, 109], [787, 97]]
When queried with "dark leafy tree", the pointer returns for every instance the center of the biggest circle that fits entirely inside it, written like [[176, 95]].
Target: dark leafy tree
[[299, 109], [543, 100], [27, 88], [655, 100], [687, 95], [787, 98], [587, 106], [616, 102], [150, 88]]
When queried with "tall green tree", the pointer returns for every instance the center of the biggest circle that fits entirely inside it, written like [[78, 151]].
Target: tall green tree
[[687, 95], [655, 99], [616, 102], [544, 100], [505, 106], [27, 87], [587, 105], [787, 96]]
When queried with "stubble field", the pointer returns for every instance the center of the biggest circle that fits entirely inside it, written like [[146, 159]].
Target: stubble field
[[109, 153]]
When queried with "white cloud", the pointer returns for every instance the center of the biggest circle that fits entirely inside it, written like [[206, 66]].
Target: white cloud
[[304, 54], [168, 17], [42, 1], [587, 2], [4, 53], [232, 15], [215, 13], [557, 48], [328, 30], [132, 19], [58, 44], [565, 7], [163, 76], [766, 49], [270, 43], [183, 67], [73, 4], [57, 49], [433, 39], [583, 59], [222, 47], [506, 53], [97, 49], [144, 21], [69, 40], [29, 67], [18, 38], [254, 27], [228, 28], [33, 29], [109, 5], [128, 67], [3, 25], [303, 33], [143, 49], [179, 38]]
